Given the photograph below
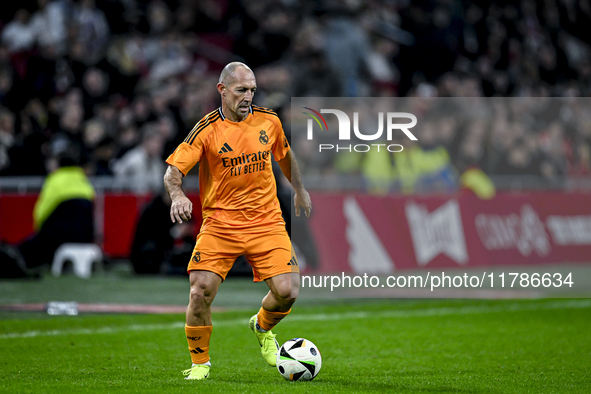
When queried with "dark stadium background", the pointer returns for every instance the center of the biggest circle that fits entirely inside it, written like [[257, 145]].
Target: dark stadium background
[[96, 76], [103, 82]]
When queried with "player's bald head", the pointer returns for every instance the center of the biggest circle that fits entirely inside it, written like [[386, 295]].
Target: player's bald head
[[229, 73]]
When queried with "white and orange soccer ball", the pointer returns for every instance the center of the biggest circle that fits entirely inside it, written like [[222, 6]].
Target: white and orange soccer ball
[[299, 359]]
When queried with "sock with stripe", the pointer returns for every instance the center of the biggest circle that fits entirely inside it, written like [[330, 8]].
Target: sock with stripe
[[198, 340], [267, 320]]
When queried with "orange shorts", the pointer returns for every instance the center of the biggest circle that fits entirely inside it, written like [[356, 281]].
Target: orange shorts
[[269, 254]]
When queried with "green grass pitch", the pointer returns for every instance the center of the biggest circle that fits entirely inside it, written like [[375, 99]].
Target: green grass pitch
[[371, 346]]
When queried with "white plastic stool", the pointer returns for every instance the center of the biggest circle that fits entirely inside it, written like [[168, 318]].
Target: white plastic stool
[[82, 257]]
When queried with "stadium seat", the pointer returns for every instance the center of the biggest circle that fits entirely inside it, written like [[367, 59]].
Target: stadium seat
[[82, 257]]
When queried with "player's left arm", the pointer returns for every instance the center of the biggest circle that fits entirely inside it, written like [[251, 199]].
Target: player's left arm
[[290, 169]]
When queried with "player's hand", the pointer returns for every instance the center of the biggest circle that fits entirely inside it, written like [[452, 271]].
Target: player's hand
[[181, 209], [302, 200]]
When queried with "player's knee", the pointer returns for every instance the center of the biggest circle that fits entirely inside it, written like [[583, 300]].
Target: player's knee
[[200, 296], [287, 288], [286, 293]]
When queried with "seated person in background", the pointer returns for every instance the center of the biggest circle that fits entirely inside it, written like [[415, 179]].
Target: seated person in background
[[142, 168], [159, 245], [153, 240], [62, 213]]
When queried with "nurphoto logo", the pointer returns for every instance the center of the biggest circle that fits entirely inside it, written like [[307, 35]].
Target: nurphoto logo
[[344, 132]]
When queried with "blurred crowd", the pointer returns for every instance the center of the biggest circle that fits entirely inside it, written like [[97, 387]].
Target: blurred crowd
[[121, 82], [459, 141]]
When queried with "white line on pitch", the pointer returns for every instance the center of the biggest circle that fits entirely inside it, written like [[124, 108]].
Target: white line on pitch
[[462, 310]]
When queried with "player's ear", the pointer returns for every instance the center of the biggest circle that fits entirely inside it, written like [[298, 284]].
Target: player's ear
[[221, 88]]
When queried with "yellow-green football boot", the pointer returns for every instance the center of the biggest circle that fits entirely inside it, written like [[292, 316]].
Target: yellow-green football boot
[[269, 345], [197, 371]]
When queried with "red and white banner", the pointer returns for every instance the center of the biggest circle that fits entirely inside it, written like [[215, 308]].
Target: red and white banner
[[378, 235], [116, 217]]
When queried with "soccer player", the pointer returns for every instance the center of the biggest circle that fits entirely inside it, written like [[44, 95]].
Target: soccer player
[[241, 215]]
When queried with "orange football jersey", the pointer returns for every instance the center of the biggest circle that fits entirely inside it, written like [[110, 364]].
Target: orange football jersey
[[236, 181]]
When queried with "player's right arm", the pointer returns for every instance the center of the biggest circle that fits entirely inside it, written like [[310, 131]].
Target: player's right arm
[[181, 206], [180, 162]]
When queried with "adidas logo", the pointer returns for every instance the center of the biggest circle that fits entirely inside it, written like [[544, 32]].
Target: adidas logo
[[225, 149]]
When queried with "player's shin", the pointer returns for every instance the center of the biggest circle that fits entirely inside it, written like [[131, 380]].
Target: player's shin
[[198, 340], [266, 320]]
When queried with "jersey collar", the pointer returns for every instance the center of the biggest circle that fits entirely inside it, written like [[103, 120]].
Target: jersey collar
[[224, 118]]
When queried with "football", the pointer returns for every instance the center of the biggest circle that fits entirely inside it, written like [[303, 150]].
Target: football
[[299, 359]]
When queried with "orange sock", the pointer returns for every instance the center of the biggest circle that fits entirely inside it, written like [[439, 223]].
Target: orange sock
[[198, 339], [267, 320]]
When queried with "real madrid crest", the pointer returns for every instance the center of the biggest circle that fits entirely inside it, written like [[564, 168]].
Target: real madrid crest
[[263, 137]]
